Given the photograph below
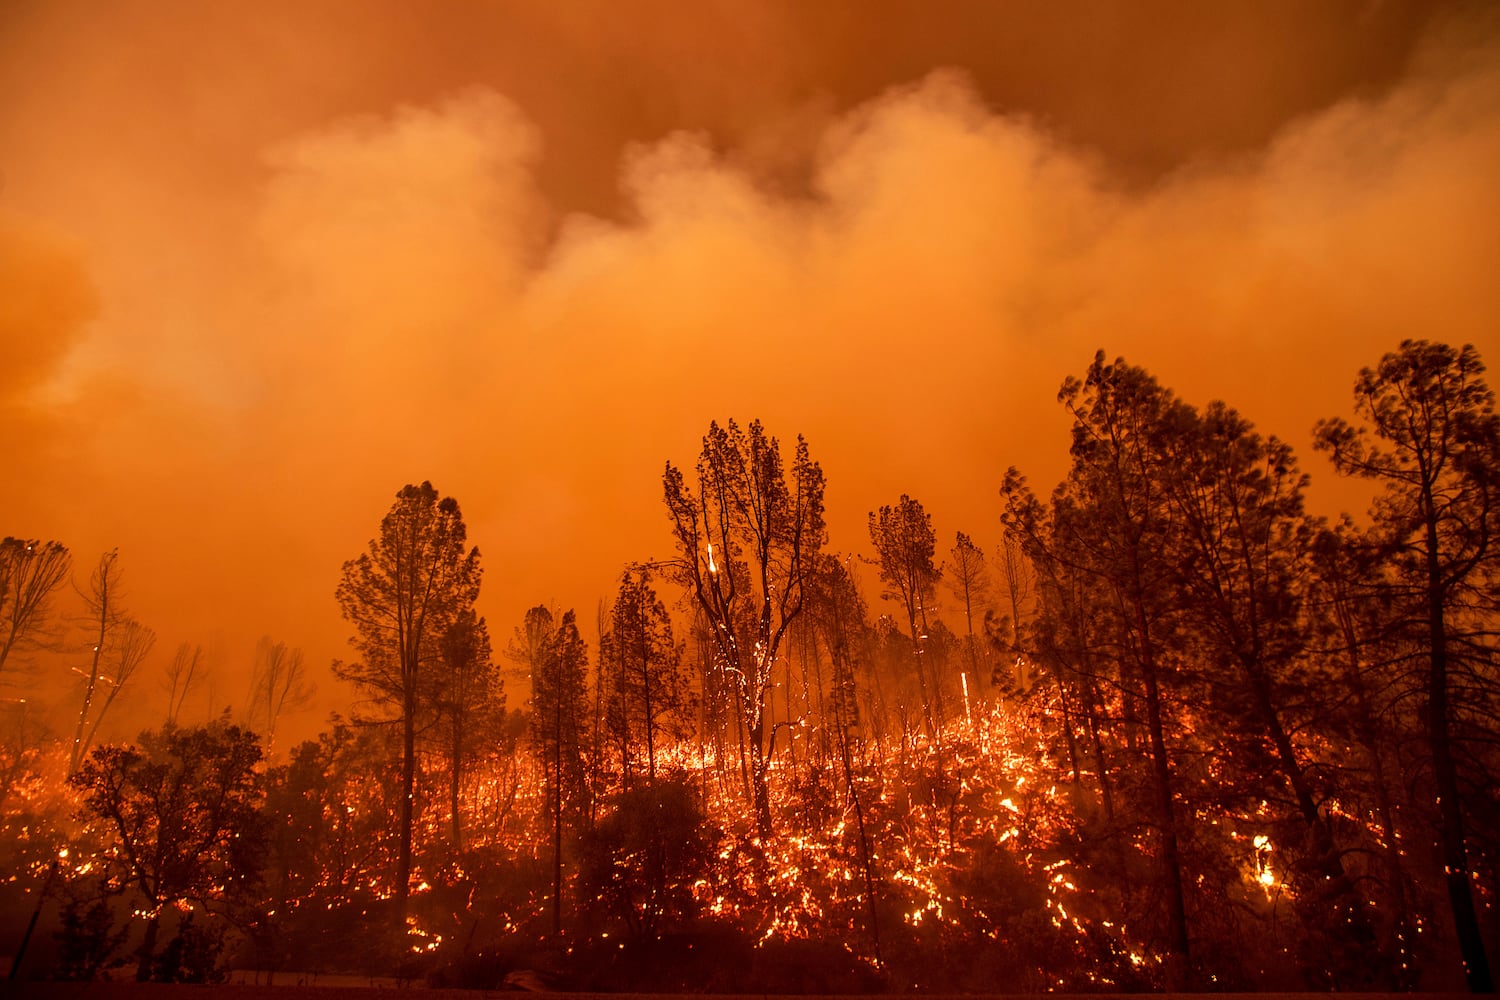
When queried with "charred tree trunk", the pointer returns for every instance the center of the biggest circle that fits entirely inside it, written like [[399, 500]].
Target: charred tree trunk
[[147, 951], [408, 796], [1171, 855], [1445, 778]]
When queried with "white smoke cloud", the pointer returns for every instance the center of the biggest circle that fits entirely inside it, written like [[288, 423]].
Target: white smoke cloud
[[376, 302]]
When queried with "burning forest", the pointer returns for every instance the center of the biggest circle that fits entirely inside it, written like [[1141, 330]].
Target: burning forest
[[624, 497], [1170, 731]]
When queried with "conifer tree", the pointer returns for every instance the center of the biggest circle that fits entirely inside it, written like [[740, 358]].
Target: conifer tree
[[1430, 437], [418, 577]]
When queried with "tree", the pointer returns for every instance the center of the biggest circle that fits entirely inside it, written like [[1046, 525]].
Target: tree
[[747, 535], [402, 595], [131, 646], [183, 808], [30, 573], [557, 661], [296, 829], [1438, 462], [970, 581], [1109, 527], [1349, 563], [104, 617], [1241, 549], [1066, 636], [181, 674], [120, 643], [1019, 579], [839, 616], [278, 682], [330, 849], [642, 666], [470, 695], [905, 547], [642, 860]]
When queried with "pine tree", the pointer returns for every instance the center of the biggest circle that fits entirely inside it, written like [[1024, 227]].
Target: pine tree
[[1438, 462], [402, 596], [905, 547], [648, 696], [558, 661]]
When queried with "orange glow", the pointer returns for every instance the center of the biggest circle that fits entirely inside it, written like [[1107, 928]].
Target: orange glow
[[257, 275]]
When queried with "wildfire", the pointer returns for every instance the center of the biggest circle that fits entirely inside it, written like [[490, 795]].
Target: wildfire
[[967, 834]]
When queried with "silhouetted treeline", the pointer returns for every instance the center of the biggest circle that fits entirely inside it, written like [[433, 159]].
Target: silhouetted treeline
[[1169, 731]]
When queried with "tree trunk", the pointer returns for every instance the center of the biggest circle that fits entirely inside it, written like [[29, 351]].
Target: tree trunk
[[1067, 725], [1398, 942], [1326, 861], [866, 863], [759, 768], [929, 721], [557, 825], [88, 695], [1171, 856], [624, 708], [1177, 930], [408, 793], [1101, 760], [973, 647], [454, 786], [1445, 777], [646, 697], [147, 950]]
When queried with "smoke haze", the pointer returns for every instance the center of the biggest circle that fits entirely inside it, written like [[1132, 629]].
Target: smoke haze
[[257, 274]]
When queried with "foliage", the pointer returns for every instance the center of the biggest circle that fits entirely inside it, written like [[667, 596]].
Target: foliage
[[89, 935], [641, 861], [183, 813]]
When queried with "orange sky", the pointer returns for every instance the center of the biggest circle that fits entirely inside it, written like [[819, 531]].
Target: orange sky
[[260, 265]]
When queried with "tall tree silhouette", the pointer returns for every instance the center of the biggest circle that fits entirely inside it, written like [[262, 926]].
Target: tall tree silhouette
[[401, 596], [747, 534], [642, 666], [554, 653], [30, 573], [1352, 619], [969, 579], [182, 675], [905, 547], [470, 695], [1240, 552], [1436, 455], [839, 617], [1067, 636], [118, 644], [1109, 522], [278, 682]]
